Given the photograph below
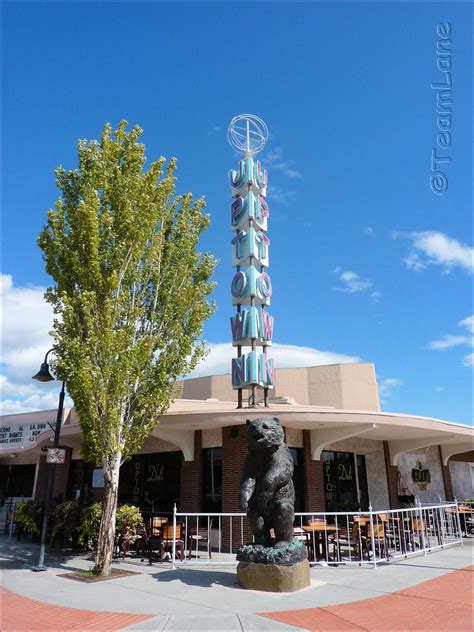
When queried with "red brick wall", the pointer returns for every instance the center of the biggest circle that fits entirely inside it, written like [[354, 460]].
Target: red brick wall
[[191, 478], [313, 478], [392, 478], [234, 451]]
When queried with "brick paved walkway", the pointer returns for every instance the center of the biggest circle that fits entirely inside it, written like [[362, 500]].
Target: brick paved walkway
[[21, 613], [445, 603]]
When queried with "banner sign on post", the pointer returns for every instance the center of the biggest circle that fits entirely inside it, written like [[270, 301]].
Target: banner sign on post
[[56, 455]]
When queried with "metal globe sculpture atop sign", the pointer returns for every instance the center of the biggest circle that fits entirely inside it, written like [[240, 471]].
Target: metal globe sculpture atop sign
[[247, 133], [251, 287]]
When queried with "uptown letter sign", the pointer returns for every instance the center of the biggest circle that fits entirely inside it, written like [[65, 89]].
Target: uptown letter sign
[[251, 286]]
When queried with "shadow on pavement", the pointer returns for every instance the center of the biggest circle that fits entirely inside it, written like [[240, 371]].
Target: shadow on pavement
[[17, 554], [203, 578]]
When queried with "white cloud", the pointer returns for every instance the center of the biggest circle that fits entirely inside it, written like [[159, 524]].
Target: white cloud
[[220, 356], [468, 360], [369, 231], [352, 282], [436, 248], [448, 341], [468, 323], [280, 196], [26, 321], [47, 401], [440, 389], [274, 158], [387, 386], [375, 296]]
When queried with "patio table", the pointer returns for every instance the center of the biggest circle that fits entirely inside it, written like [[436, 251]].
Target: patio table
[[466, 516], [316, 532]]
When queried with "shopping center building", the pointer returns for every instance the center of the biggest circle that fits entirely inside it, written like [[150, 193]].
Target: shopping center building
[[348, 453]]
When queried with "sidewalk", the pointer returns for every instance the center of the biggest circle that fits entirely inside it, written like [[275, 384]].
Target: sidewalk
[[422, 593]]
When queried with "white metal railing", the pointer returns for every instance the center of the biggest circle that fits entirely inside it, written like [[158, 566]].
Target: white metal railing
[[331, 538], [466, 516]]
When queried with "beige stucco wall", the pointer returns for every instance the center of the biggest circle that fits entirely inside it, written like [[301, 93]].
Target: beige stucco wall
[[154, 444], [294, 437], [212, 438], [349, 386], [359, 387], [430, 459], [461, 479], [292, 382], [209, 387], [377, 480]]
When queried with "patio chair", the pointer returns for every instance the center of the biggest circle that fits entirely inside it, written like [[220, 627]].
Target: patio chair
[[153, 533], [303, 536], [395, 535], [349, 540], [416, 528], [380, 540], [167, 540], [198, 535], [155, 524]]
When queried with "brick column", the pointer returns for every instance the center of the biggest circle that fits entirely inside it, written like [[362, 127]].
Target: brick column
[[234, 451], [448, 486], [313, 478], [392, 478], [191, 479]]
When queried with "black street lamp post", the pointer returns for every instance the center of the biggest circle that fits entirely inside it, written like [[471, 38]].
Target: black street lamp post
[[44, 375]]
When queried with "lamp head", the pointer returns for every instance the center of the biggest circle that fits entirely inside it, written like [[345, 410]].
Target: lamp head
[[43, 374]]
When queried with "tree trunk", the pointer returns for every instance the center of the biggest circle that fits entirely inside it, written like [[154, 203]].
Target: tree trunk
[[105, 542]]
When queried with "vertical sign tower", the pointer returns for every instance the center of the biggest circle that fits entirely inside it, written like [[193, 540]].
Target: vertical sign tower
[[252, 325]]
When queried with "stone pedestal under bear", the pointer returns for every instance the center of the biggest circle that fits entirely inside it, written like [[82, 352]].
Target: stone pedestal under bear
[[276, 563]]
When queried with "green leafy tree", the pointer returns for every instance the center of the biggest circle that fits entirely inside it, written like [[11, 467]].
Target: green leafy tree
[[130, 296]]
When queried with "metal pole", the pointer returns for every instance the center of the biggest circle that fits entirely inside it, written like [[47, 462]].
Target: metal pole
[[50, 485], [372, 537], [421, 524], [12, 520], [458, 522], [174, 537]]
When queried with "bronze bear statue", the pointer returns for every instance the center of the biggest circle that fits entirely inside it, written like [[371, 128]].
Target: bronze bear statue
[[266, 490]]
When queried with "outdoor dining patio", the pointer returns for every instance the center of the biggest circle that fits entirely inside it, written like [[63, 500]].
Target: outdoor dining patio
[[337, 538]]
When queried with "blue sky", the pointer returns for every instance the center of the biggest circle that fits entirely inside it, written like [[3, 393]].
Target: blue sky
[[366, 261]]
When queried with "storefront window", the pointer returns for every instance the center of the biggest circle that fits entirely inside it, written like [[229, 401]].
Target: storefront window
[[151, 481], [212, 480], [20, 481], [345, 485], [80, 482]]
